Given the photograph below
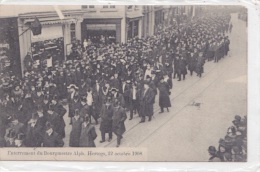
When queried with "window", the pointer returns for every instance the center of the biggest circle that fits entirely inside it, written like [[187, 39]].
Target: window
[[112, 6], [91, 6], [130, 7], [84, 6], [72, 31], [105, 6]]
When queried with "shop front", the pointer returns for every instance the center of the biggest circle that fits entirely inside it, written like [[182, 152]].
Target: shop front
[[9, 46], [56, 35], [134, 22], [101, 30], [49, 43], [159, 19], [132, 29]]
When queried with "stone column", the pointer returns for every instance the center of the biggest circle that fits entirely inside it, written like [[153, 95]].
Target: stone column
[[118, 33], [24, 41], [123, 26], [66, 37], [78, 30], [152, 21], [140, 28]]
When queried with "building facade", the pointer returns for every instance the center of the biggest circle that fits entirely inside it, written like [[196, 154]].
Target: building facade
[[63, 24]]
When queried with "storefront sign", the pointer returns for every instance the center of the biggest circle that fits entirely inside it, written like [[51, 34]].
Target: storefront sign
[[101, 27], [48, 32]]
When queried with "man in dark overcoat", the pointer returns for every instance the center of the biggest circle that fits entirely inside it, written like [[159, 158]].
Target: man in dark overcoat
[[119, 117], [34, 133], [164, 95], [61, 111], [51, 138], [176, 67], [118, 96], [53, 118], [146, 102], [182, 68], [76, 129], [28, 61], [133, 96], [106, 119], [88, 134], [74, 102], [192, 63], [200, 64]]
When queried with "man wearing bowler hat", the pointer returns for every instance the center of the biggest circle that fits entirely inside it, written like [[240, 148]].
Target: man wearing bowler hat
[[34, 132], [51, 138]]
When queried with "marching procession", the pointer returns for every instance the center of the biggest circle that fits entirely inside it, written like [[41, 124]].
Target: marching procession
[[106, 84]]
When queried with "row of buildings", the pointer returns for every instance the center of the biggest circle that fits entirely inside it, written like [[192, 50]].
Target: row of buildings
[[112, 23]]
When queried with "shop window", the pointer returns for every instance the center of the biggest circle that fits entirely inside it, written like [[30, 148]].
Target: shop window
[[72, 31], [135, 29], [130, 7]]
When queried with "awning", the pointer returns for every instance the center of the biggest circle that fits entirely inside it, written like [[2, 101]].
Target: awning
[[50, 22]]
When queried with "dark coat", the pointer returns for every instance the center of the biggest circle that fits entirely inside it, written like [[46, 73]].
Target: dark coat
[[97, 104], [53, 140], [27, 109], [2, 130], [73, 106], [119, 116], [87, 136], [192, 63], [106, 118], [199, 66], [19, 128], [42, 120], [133, 103], [34, 135], [61, 111], [28, 62], [164, 98], [182, 67], [120, 98], [38, 100], [115, 83], [54, 120], [146, 102], [75, 132], [61, 86], [84, 111]]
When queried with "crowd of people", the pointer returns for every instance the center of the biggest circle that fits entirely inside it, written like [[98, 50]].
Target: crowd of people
[[104, 83], [233, 148]]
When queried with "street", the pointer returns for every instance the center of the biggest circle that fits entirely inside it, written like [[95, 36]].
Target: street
[[202, 109]]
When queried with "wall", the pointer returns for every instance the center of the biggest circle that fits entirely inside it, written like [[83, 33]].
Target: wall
[[15, 10]]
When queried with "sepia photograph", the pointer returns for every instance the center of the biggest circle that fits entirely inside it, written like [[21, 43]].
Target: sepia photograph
[[161, 83]]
